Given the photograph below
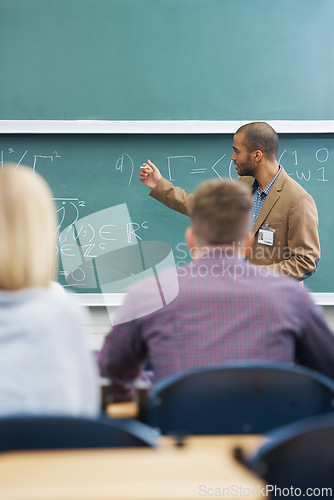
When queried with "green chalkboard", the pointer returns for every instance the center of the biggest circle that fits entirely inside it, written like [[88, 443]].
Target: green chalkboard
[[167, 60], [104, 209]]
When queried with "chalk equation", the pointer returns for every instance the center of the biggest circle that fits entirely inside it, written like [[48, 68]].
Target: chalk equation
[[9, 155], [81, 240], [91, 239], [84, 241], [321, 157], [224, 167]]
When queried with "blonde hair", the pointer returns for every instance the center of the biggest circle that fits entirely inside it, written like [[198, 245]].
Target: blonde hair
[[28, 227], [221, 212]]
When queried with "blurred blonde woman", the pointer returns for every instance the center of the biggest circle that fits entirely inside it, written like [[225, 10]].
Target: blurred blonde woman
[[45, 364]]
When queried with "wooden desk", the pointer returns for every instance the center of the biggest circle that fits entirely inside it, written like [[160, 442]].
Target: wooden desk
[[122, 410], [165, 473]]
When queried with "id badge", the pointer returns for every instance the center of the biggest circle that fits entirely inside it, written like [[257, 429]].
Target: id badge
[[266, 235]]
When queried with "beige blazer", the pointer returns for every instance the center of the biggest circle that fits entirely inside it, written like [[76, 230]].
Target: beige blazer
[[288, 209]]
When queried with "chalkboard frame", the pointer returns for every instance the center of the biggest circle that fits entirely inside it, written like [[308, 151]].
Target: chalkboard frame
[[117, 299], [158, 127]]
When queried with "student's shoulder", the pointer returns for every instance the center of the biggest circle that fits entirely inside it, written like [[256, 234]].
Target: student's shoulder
[[62, 306], [246, 180], [287, 289], [164, 279], [148, 296]]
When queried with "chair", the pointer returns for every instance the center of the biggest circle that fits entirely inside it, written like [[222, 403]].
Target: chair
[[241, 398], [47, 433], [300, 455]]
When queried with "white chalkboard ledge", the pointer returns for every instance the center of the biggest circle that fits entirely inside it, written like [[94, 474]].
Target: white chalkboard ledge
[[99, 299], [116, 299], [157, 126], [323, 299]]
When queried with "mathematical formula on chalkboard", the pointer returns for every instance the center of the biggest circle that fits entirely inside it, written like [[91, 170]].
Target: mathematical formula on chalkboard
[[222, 167], [103, 208]]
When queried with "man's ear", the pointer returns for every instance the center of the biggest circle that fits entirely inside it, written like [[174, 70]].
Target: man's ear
[[257, 155], [190, 237], [249, 244], [192, 243]]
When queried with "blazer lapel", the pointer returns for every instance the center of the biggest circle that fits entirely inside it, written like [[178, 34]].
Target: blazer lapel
[[272, 197]]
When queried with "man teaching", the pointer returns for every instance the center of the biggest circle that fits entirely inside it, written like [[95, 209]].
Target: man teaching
[[284, 218]]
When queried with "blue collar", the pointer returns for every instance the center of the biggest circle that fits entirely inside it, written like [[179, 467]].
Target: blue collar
[[255, 184]]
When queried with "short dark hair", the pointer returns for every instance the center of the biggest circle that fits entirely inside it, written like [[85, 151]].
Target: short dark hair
[[221, 212], [260, 135]]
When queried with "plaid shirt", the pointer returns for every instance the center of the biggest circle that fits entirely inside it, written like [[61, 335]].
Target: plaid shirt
[[259, 198], [226, 310]]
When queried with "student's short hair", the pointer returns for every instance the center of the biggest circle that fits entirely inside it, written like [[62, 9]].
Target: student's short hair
[[28, 228], [260, 135], [221, 212]]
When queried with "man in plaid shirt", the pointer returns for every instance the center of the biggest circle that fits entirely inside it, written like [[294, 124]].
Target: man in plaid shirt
[[223, 310]]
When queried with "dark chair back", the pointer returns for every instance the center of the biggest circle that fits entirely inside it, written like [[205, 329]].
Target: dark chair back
[[46, 433], [300, 455], [239, 398]]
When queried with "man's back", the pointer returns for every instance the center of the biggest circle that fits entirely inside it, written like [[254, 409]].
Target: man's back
[[226, 310]]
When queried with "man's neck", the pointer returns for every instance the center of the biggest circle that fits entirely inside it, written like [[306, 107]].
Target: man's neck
[[266, 174], [236, 250]]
